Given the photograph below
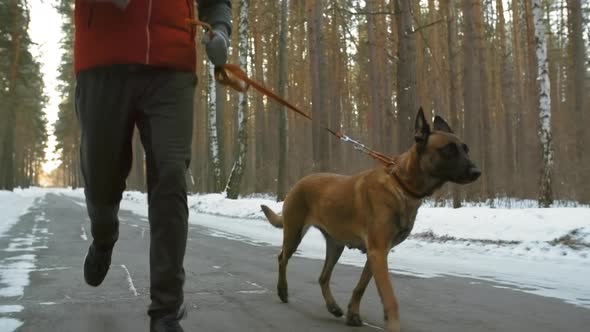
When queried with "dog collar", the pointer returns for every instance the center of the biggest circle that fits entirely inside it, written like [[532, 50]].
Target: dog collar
[[409, 191]]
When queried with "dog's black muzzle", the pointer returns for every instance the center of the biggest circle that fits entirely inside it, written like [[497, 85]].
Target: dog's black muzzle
[[471, 174]]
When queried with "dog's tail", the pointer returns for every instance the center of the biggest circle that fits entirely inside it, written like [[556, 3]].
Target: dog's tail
[[275, 219]]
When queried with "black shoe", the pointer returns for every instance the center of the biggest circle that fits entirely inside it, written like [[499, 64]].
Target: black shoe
[[169, 322], [166, 324], [96, 265]]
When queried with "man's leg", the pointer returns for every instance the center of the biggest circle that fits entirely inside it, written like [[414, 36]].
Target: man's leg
[[104, 108], [165, 124]]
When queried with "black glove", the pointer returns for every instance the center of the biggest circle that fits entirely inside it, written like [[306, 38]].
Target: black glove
[[216, 44]]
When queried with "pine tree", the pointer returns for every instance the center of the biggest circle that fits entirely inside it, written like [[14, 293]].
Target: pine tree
[[22, 132], [281, 89]]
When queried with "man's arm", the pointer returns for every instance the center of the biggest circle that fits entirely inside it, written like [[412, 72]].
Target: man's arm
[[218, 14]]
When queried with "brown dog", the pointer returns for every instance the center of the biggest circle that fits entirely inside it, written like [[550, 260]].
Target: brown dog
[[372, 211]]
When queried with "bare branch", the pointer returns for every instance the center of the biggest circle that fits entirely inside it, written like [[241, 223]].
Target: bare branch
[[428, 25]]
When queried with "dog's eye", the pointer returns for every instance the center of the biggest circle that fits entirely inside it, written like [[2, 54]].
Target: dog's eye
[[449, 150], [465, 148]]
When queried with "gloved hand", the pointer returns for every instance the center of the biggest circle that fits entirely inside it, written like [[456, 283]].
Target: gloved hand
[[216, 45]]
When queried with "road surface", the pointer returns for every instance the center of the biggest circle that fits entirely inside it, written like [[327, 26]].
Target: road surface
[[231, 286]]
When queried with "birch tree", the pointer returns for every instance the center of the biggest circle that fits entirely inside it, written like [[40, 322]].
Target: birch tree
[[545, 190], [213, 139], [232, 188]]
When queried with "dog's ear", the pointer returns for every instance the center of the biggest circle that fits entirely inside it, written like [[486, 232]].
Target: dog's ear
[[441, 125], [421, 128]]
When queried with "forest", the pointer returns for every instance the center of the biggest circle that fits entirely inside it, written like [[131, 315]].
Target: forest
[[512, 78]]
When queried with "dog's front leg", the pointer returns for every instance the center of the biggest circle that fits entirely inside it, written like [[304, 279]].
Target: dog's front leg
[[353, 317], [378, 260]]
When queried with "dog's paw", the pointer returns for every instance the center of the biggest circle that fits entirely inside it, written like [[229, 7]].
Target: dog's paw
[[335, 310], [354, 320], [393, 326], [283, 294]]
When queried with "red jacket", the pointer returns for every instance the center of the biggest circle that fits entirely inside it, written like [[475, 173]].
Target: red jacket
[[153, 32]]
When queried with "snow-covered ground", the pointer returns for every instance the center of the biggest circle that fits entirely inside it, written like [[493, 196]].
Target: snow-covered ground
[[540, 251], [15, 268], [13, 205]]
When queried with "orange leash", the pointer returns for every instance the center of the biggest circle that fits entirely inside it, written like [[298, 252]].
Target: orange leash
[[234, 77], [238, 73]]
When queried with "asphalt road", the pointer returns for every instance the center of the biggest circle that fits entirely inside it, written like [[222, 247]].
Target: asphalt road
[[231, 287]]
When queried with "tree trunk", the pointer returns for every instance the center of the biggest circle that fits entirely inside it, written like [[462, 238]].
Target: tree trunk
[[544, 88], [375, 100], [454, 94], [214, 153], [505, 103], [283, 146], [223, 132], [530, 156], [475, 85], [578, 55], [407, 94], [318, 85], [261, 147], [518, 95], [485, 119], [434, 81], [235, 178]]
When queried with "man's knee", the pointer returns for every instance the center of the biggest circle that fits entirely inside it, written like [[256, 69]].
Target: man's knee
[[105, 170], [172, 176]]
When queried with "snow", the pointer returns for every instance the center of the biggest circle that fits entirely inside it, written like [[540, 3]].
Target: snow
[[512, 247], [10, 308], [9, 324], [129, 280], [19, 262], [13, 205]]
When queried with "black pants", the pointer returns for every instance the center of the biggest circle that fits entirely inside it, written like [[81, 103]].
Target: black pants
[[110, 101]]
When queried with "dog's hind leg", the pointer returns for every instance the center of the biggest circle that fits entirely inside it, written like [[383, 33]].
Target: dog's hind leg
[[291, 239], [352, 316], [333, 252]]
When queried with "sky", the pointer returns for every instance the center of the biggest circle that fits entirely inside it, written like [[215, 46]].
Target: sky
[[45, 32]]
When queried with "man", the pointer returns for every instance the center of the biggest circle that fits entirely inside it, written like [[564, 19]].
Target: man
[[135, 66]]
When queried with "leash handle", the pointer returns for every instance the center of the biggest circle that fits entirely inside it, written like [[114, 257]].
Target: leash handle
[[195, 23]]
